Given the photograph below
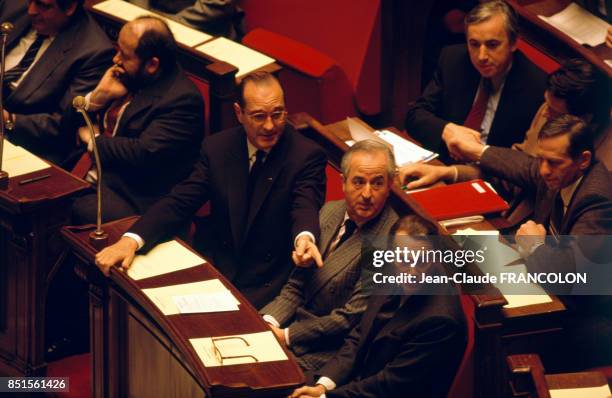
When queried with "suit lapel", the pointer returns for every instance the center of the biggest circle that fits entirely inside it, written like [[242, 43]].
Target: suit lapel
[[141, 101], [331, 224], [22, 25], [236, 174]]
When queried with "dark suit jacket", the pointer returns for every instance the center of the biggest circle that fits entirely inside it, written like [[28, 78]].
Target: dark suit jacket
[[321, 305], [250, 243], [71, 66], [449, 95], [416, 353]]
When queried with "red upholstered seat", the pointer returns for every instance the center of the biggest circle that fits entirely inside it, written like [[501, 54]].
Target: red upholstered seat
[[334, 184], [78, 369], [204, 89], [463, 384], [542, 60], [331, 51]]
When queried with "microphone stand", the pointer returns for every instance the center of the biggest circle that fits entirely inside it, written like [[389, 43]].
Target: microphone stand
[[5, 29], [97, 238]]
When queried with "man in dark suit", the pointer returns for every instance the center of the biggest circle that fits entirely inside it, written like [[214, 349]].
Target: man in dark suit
[[265, 183], [486, 89], [406, 344], [55, 52], [151, 124], [318, 307]]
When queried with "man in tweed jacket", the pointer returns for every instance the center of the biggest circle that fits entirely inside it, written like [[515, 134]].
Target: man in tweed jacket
[[317, 307]]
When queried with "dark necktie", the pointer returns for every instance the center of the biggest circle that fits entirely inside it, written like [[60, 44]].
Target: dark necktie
[[255, 171], [479, 107], [349, 228], [15, 73], [556, 216]]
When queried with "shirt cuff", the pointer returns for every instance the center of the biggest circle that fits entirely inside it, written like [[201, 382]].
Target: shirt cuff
[[455, 174], [286, 331], [271, 320], [482, 153], [137, 238], [304, 233], [326, 382]]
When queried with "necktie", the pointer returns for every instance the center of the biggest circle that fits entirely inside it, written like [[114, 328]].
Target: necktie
[[346, 231], [556, 216], [255, 171], [84, 164], [14, 74], [479, 107]]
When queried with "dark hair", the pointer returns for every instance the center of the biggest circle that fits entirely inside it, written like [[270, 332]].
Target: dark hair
[[64, 4], [414, 226], [487, 9], [157, 41], [583, 88], [580, 134], [255, 78]]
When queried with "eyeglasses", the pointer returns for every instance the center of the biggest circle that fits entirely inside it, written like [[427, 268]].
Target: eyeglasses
[[220, 357], [261, 117]]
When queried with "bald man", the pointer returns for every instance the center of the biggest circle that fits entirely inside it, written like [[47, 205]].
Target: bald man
[[151, 124]]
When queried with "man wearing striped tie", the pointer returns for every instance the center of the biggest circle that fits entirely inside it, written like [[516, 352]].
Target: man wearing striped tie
[[55, 52]]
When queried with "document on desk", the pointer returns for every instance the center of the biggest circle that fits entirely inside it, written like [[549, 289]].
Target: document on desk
[[162, 259], [238, 349], [206, 302], [164, 297], [579, 24], [244, 58], [127, 12], [18, 161], [587, 392]]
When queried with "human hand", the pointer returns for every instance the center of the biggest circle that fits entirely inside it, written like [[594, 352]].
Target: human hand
[[122, 252], [308, 392], [462, 142], [418, 175], [609, 37], [85, 135], [110, 87], [306, 252], [279, 333], [530, 234]]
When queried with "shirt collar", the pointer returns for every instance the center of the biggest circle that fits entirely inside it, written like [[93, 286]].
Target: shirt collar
[[252, 150], [568, 192]]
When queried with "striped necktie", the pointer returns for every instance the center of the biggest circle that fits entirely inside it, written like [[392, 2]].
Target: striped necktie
[[14, 74], [479, 107]]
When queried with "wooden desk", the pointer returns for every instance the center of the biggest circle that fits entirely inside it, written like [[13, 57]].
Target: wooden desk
[[499, 331], [30, 218], [139, 352], [551, 40]]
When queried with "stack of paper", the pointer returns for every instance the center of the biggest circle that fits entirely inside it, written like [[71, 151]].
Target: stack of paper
[[128, 11], [245, 59], [162, 259], [579, 24], [238, 349], [405, 151], [17, 161], [586, 392], [203, 296]]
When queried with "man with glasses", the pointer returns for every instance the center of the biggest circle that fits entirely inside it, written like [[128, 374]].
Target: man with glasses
[[265, 183], [55, 52]]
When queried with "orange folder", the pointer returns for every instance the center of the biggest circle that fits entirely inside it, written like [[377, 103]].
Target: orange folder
[[463, 199]]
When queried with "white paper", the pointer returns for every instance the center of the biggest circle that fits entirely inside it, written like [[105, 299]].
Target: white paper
[[263, 346], [405, 151], [206, 302], [128, 12], [579, 24], [162, 259], [17, 161], [588, 392], [472, 231], [163, 297], [244, 58]]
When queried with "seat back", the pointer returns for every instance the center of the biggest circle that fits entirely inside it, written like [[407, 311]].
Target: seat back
[[334, 184], [204, 89], [540, 59], [463, 383]]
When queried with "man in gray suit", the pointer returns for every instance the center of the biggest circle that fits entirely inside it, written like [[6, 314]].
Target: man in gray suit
[[318, 306]]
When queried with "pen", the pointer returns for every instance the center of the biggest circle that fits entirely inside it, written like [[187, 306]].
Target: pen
[[34, 179]]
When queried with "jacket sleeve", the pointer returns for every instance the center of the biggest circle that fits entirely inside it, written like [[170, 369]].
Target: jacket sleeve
[[283, 307], [514, 166]]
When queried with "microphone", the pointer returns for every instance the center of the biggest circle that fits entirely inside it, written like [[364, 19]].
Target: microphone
[[97, 238], [5, 29]]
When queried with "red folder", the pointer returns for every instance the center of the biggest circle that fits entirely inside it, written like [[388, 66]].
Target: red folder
[[463, 199]]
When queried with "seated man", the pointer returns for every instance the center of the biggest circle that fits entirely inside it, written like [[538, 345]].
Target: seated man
[[151, 129], [576, 88], [319, 306], [487, 89], [265, 183], [407, 344], [55, 52]]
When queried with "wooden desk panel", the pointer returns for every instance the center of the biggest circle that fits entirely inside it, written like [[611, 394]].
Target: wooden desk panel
[[123, 319], [30, 218]]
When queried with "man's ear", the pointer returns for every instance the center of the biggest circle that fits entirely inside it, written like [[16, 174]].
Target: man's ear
[[238, 112], [71, 9], [585, 159], [152, 66]]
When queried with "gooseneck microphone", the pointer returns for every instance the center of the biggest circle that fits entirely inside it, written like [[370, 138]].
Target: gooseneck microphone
[[97, 238]]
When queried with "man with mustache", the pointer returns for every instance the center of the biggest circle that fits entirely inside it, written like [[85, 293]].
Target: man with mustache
[[55, 52], [487, 89], [150, 129], [265, 183]]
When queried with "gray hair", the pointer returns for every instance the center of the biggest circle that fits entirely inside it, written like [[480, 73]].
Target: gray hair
[[368, 146], [487, 9]]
